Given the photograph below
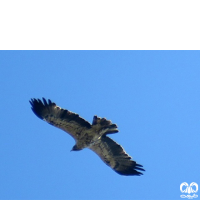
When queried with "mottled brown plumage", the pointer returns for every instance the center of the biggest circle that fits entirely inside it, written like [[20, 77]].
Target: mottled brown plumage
[[92, 136]]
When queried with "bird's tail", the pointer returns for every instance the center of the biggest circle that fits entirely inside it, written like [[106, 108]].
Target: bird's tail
[[105, 124]]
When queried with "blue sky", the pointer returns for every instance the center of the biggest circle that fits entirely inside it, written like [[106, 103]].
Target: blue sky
[[153, 97]]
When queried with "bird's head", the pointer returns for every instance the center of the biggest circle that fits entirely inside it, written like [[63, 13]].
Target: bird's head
[[76, 148]]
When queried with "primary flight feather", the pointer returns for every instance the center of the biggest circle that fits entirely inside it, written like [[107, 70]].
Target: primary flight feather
[[92, 136]]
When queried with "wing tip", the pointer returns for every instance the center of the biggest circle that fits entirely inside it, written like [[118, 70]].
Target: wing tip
[[39, 105], [44, 102], [139, 167], [130, 171]]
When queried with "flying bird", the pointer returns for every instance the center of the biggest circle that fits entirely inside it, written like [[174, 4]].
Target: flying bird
[[92, 136]]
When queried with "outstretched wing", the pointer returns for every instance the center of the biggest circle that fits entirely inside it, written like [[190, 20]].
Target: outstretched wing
[[115, 157], [58, 117]]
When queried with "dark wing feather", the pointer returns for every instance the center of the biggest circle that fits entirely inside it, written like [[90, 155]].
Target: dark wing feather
[[115, 157], [58, 117]]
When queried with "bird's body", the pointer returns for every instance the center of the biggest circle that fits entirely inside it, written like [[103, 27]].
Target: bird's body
[[92, 136]]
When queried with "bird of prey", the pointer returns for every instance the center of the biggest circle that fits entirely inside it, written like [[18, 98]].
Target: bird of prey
[[92, 136]]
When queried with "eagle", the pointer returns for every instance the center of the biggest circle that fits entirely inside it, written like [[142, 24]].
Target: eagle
[[92, 136]]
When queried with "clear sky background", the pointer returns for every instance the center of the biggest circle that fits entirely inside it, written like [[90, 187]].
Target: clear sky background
[[153, 97]]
